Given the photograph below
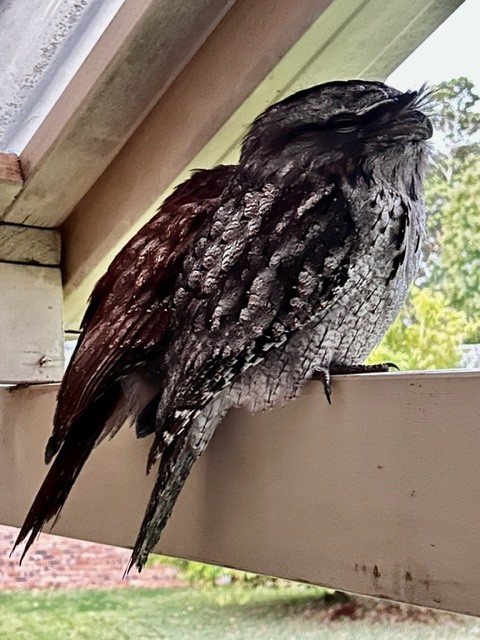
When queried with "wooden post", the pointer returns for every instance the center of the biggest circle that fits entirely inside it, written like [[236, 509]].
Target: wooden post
[[31, 341]]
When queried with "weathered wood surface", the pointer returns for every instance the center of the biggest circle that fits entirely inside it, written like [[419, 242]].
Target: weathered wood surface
[[11, 179], [29, 245], [31, 337], [377, 494]]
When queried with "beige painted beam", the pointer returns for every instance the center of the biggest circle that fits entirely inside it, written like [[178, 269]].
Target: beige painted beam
[[377, 494], [255, 55], [11, 179], [137, 57]]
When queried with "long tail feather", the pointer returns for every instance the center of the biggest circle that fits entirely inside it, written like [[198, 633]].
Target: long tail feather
[[54, 491], [61, 477], [175, 465]]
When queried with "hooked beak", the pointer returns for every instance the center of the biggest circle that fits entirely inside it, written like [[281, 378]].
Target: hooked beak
[[397, 118]]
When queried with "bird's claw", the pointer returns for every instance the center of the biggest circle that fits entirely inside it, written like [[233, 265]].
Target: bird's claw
[[325, 375]]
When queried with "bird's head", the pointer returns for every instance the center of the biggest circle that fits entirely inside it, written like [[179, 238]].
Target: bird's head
[[337, 126]]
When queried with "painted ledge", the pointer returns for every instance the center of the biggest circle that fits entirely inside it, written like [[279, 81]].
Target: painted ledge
[[377, 494]]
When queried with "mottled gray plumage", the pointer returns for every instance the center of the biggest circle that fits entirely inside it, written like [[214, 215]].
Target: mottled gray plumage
[[250, 279]]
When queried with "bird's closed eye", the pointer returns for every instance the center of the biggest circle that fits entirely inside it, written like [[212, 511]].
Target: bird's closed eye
[[345, 123]]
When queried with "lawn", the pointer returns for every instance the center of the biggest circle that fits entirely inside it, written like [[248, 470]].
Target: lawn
[[216, 613]]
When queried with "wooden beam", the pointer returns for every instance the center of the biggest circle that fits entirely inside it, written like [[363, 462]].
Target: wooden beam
[[31, 347], [31, 311], [29, 245], [137, 57], [258, 55], [376, 494], [11, 179]]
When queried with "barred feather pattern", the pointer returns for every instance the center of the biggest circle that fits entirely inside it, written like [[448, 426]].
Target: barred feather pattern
[[268, 332], [251, 278]]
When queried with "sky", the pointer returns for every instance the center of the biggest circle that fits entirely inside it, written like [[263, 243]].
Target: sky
[[452, 50]]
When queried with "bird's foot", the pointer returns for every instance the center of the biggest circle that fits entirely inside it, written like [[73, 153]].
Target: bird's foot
[[343, 369], [325, 375]]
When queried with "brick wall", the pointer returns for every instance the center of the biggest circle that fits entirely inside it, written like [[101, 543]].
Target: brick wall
[[55, 562]]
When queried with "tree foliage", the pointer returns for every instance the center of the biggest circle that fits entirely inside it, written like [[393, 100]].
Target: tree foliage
[[452, 197], [426, 334], [445, 311], [457, 273]]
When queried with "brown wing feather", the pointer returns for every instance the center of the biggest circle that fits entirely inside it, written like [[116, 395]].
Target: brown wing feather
[[127, 317], [126, 321]]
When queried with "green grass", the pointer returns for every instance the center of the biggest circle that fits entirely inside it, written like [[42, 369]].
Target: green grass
[[220, 613]]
